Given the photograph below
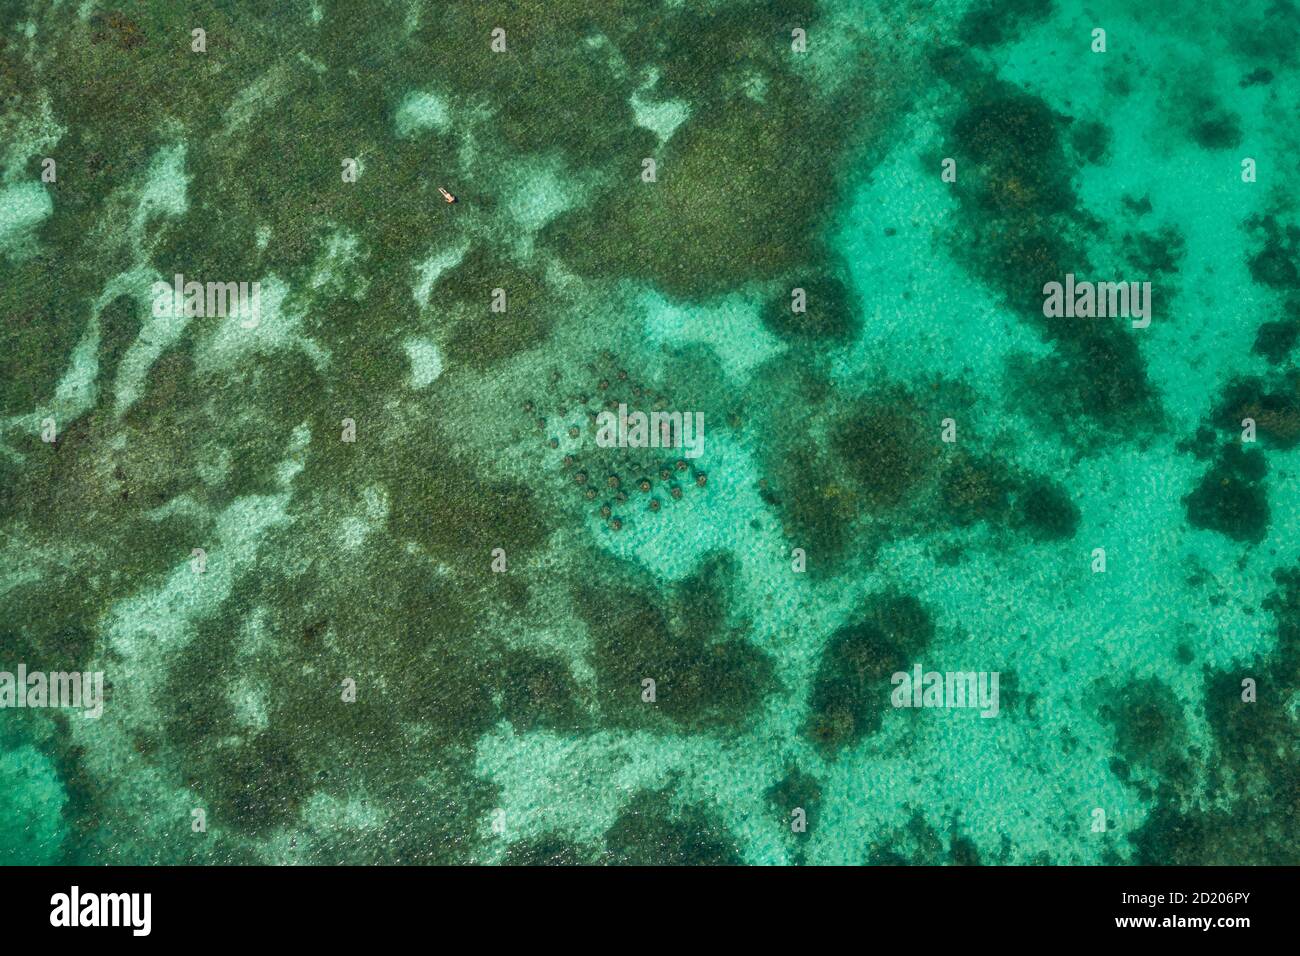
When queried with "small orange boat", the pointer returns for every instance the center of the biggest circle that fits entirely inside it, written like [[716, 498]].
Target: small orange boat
[[446, 195]]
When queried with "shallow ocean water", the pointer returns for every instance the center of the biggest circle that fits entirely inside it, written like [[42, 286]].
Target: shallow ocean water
[[350, 676]]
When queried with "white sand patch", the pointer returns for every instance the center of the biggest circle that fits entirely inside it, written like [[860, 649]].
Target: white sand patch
[[422, 110], [426, 362]]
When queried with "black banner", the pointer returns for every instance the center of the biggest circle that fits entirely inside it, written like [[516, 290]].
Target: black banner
[[329, 906]]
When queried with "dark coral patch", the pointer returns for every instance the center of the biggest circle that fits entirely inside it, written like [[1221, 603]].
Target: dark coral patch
[[852, 688], [1217, 129], [797, 790], [1277, 263], [652, 831], [884, 446], [920, 844], [1096, 374], [1155, 253], [1149, 734], [705, 675], [990, 23], [1011, 142], [549, 851], [538, 692], [1090, 140], [1275, 411], [974, 490], [829, 311], [1275, 341], [1016, 167], [1231, 498], [1045, 511]]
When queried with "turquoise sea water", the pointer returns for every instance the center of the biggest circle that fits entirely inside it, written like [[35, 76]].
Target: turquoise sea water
[[919, 469]]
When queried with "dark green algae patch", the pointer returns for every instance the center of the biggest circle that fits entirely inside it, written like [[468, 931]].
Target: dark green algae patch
[[424, 653]]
